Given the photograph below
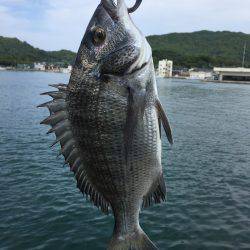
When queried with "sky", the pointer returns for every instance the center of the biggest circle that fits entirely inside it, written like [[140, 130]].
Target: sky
[[60, 24]]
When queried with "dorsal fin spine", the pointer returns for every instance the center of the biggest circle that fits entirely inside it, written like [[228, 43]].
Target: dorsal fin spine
[[61, 126]]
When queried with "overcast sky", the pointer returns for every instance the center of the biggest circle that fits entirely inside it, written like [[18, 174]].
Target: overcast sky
[[60, 24]]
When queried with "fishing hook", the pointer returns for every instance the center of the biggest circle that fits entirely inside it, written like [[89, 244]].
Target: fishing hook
[[110, 4], [135, 7]]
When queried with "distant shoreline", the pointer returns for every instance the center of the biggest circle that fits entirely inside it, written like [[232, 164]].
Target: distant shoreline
[[30, 70], [174, 78], [205, 81]]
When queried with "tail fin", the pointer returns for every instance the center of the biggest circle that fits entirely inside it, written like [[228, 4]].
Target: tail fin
[[136, 241]]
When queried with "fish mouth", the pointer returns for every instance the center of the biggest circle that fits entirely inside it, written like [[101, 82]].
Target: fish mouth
[[134, 52], [114, 7]]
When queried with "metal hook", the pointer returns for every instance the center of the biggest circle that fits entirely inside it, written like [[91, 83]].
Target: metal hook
[[135, 7], [110, 4]]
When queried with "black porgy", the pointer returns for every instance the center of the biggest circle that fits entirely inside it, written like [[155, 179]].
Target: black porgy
[[108, 122]]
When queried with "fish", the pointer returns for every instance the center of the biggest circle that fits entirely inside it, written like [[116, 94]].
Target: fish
[[108, 121]]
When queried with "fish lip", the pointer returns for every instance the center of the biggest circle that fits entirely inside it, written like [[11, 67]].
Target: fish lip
[[111, 12]]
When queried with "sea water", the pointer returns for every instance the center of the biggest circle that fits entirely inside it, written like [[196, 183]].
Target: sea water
[[207, 172]]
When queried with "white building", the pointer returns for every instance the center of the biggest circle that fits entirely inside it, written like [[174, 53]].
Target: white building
[[39, 66], [196, 74], [66, 70], [165, 68]]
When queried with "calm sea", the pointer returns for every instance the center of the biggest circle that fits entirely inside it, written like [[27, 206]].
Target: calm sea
[[207, 172]]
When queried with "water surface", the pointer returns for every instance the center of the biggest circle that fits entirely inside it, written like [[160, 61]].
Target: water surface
[[207, 172]]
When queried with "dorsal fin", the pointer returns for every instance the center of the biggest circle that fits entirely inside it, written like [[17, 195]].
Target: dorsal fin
[[61, 126]]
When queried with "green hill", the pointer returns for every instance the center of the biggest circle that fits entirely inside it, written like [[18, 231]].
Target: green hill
[[198, 49], [14, 51], [202, 48]]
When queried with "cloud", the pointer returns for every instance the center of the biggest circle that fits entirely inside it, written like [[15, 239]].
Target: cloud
[[9, 24], [191, 15], [66, 21], [58, 24]]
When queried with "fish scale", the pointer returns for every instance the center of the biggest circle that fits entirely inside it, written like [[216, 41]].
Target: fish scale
[[112, 144]]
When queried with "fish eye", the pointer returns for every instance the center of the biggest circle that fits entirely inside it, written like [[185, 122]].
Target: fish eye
[[99, 36]]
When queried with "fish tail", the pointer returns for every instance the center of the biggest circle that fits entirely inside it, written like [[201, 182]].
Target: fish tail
[[136, 241]]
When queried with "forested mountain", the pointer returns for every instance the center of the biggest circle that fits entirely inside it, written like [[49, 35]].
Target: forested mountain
[[202, 48], [198, 49], [14, 51]]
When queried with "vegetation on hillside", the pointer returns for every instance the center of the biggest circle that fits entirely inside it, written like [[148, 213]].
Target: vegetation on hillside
[[203, 49], [14, 51]]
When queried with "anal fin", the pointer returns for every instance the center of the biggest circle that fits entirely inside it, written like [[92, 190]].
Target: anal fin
[[157, 193]]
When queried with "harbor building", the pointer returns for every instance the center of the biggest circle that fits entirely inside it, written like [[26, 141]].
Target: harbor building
[[200, 74], [39, 66], [165, 68], [52, 68], [233, 74], [181, 72], [66, 70]]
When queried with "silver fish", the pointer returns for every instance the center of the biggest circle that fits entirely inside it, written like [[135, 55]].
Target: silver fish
[[108, 122]]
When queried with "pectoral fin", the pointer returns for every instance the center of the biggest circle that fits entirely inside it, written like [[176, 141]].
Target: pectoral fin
[[164, 120], [135, 110]]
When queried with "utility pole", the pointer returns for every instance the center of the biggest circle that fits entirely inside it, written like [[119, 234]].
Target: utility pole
[[244, 55]]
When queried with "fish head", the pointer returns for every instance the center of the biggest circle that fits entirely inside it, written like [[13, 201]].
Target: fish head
[[112, 44]]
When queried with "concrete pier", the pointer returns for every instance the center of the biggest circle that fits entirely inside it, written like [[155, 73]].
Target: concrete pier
[[233, 74]]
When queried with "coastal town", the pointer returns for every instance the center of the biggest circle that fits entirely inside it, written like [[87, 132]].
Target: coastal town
[[219, 74], [41, 66], [165, 69]]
